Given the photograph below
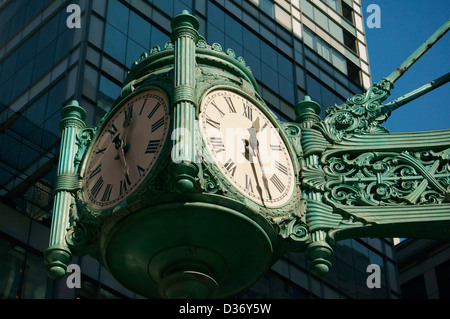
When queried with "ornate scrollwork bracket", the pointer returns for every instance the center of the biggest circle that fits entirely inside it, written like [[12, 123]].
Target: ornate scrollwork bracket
[[362, 181]]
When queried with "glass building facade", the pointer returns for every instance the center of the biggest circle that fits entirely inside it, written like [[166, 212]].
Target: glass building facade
[[294, 48]]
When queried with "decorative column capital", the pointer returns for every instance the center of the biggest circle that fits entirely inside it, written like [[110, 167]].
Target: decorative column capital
[[307, 112], [185, 24], [72, 115]]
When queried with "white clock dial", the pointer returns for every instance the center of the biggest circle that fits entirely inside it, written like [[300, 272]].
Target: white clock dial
[[126, 149], [247, 148]]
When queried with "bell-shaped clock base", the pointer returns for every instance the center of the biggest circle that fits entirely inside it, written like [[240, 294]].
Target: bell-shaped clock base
[[187, 250]]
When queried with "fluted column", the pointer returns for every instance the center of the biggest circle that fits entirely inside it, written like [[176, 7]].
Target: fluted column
[[58, 255], [184, 37], [318, 251]]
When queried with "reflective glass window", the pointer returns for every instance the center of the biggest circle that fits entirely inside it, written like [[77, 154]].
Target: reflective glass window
[[22, 79], [216, 16], [308, 38], [285, 67], [134, 51], [233, 29], [114, 43], [269, 76], [12, 261], [180, 5], [269, 55], [268, 7], [164, 5], [109, 91], [339, 62], [321, 19], [307, 9], [286, 89], [215, 35], [313, 89], [27, 50], [44, 60], [336, 31], [35, 278], [253, 62], [230, 43], [139, 30], [48, 33], [9, 66], [323, 50], [251, 42], [158, 38], [118, 15]]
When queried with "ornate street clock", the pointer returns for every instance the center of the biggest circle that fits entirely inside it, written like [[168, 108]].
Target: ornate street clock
[[126, 149], [190, 187], [247, 147]]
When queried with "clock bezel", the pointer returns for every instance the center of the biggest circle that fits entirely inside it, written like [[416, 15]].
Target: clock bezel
[[273, 120], [156, 168]]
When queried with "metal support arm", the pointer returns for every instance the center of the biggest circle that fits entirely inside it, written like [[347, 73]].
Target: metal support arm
[[359, 180]]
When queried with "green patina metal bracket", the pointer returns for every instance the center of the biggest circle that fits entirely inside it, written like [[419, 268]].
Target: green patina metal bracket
[[188, 232], [362, 181]]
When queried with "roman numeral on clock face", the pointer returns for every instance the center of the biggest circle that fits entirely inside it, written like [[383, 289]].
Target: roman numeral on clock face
[[157, 124], [277, 183], [97, 186], [231, 107], [96, 170], [230, 166], [152, 146], [123, 186], [112, 130], [107, 193], [217, 144], [154, 110], [213, 103], [141, 171], [281, 168], [212, 123], [248, 112]]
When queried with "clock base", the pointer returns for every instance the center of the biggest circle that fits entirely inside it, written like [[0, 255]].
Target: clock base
[[187, 250]]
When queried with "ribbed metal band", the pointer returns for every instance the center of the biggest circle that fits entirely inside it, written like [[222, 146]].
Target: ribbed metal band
[[67, 182], [184, 93]]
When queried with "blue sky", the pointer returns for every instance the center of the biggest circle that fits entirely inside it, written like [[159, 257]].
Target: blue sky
[[405, 25]]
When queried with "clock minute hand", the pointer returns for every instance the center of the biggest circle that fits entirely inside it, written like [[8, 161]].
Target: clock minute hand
[[254, 144], [124, 162], [252, 164]]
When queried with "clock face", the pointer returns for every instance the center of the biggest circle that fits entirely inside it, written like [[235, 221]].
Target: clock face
[[126, 149], [247, 148]]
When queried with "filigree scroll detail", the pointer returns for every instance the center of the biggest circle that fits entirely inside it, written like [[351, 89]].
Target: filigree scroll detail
[[360, 114], [84, 137], [383, 178]]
